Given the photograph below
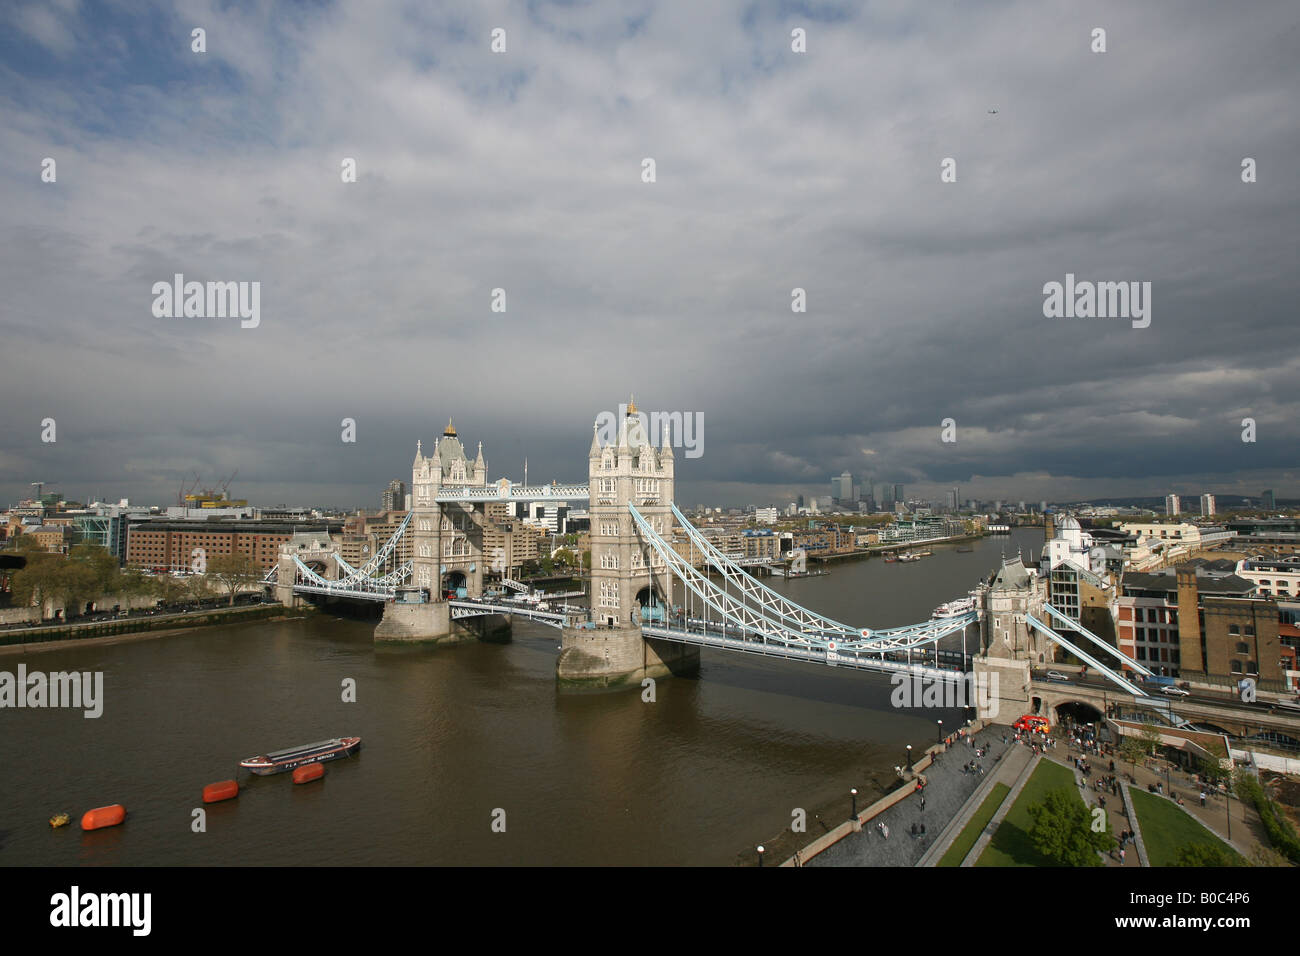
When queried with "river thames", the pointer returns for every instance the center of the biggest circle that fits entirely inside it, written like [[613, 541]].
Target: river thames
[[450, 735]]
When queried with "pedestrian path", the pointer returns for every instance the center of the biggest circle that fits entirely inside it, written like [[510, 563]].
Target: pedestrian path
[[1116, 813], [947, 790], [987, 836], [1247, 830], [1006, 771]]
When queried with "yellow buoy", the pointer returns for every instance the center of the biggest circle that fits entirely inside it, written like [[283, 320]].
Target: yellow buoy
[[59, 820]]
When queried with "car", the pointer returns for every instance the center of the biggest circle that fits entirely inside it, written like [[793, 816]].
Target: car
[[1032, 722], [1056, 675], [1174, 691]]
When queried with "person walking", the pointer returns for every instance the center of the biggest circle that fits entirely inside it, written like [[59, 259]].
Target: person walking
[[1202, 798]]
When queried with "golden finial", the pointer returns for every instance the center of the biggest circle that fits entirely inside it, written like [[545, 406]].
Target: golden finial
[[631, 405], [450, 430]]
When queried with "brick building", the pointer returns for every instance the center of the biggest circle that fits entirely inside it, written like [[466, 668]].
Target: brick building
[[175, 545], [1201, 623]]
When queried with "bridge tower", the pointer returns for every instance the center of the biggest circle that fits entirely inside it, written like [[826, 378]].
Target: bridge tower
[[627, 576], [447, 544], [1009, 647], [447, 549]]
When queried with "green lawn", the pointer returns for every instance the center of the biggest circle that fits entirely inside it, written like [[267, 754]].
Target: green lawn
[[1167, 826], [975, 826], [1011, 845]]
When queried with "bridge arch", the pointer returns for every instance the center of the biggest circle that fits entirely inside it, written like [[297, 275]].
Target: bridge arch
[[1079, 711], [1214, 728], [651, 606], [453, 580]]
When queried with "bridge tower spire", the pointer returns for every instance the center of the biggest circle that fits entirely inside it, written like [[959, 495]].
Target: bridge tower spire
[[629, 580]]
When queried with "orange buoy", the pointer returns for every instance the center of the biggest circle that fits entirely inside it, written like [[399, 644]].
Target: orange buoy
[[103, 817], [312, 771], [222, 790]]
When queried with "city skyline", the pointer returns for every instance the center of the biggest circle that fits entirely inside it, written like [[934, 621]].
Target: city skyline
[[522, 171]]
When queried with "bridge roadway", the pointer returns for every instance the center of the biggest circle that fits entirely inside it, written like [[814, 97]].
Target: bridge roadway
[[1226, 712], [701, 637], [816, 655]]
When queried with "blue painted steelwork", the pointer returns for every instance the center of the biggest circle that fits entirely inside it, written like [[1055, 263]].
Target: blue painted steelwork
[[760, 611], [1069, 622]]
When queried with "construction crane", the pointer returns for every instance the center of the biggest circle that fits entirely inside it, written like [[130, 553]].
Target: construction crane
[[185, 491], [211, 498]]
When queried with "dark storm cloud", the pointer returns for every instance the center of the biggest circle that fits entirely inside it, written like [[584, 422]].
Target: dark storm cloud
[[775, 170]]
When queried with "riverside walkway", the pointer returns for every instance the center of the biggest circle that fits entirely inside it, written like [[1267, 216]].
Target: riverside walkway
[[947, 791]]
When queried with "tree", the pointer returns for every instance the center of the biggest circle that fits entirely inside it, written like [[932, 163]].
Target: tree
[[27, 543], [36, 583], [1132, 749], [1062, 830], [1150, 738], [233, 571], [1206, 854], [1215, 772], [171, 590], [102, 566], [75, 584], [196, 587], [1267, 856], [133, 583]]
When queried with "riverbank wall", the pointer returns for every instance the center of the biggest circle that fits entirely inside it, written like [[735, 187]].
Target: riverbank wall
[[66, 636]]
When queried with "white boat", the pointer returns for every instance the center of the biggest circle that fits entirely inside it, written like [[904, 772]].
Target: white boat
[[955, 608]]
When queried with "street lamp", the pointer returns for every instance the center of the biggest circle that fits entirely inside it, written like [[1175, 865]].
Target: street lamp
[[941, 733], [760, 856], [854, 794], [909, 756]]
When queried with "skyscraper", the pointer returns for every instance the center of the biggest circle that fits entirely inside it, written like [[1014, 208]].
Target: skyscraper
[[842, 487], [898, 493], [1207, 506], [1172, 505], [952, 499], [394, 496], [1268, 502]]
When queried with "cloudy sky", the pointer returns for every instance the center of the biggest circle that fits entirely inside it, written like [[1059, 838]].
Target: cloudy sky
[[774, 169]]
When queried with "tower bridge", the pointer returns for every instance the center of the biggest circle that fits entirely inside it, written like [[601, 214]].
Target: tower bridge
[[654, 601]]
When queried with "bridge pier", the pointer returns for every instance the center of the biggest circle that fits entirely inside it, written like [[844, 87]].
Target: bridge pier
[[1007, 683], [620, 656], [431, 623]]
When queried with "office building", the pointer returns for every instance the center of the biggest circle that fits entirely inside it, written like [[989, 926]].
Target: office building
[[1173, 505], [1207, 506], [394, 496], [1200, 622]]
